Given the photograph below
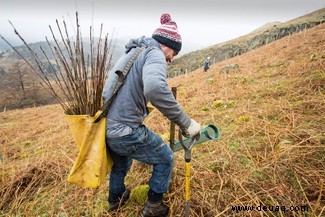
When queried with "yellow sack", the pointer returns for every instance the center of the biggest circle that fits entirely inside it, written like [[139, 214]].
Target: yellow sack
[[94, 161]]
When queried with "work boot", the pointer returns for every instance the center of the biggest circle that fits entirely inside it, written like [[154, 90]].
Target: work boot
[[120, 202], [154, 210]]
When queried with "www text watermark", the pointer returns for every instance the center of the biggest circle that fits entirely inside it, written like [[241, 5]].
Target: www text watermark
[[301, 208]]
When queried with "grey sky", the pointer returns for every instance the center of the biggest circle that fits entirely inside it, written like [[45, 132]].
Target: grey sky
[[201, 22]]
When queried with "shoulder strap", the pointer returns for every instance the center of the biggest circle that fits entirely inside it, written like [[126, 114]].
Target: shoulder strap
[[121, 77]]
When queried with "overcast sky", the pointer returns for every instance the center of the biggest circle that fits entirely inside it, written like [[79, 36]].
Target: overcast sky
[[201, 22]]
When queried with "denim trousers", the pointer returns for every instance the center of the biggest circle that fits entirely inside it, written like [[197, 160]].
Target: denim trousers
[[145, 146]]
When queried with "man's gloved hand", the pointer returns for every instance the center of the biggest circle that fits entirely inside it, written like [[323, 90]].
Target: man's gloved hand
[[192, 130]]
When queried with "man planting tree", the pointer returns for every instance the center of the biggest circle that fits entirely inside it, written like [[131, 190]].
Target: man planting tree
[[126, 137]]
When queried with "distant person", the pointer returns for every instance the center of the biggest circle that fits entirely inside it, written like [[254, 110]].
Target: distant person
[[206, 64], [127, 138]]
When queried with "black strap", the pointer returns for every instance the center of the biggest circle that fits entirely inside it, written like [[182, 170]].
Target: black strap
[[121, 77]]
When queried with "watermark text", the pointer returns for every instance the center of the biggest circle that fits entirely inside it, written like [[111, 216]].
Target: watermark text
[[270, 208]]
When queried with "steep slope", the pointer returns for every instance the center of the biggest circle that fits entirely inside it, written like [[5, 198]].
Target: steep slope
[[15, 97], [243, 44], [270, 153]]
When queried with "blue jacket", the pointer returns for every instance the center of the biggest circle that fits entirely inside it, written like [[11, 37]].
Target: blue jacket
[[146, 82]]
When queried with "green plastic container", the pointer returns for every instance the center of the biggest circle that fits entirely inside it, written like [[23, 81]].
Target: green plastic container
[[209, 132]]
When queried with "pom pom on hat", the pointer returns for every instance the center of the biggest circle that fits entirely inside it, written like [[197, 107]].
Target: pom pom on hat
[[165, 18], [167, 34]]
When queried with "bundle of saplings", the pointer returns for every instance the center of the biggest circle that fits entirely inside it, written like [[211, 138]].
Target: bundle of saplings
[[72, 70]]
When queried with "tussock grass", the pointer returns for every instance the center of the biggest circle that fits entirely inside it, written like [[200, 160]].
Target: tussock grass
[[271, 150]]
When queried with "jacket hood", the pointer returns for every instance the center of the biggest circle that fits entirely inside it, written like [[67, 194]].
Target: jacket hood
[[139, 42]]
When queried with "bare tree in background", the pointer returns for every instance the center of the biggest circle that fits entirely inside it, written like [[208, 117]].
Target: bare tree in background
[[20, 87]]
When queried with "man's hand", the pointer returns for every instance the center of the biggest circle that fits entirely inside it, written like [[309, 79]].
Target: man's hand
[[192, 130]]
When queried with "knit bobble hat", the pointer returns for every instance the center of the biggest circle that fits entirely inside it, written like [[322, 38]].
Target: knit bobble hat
[[167, 34]]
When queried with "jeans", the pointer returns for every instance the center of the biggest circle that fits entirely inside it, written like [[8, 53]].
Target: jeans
[[145, 146]]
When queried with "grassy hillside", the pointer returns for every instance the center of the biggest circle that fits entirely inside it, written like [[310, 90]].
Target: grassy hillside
[[271, 151], [264, 35]]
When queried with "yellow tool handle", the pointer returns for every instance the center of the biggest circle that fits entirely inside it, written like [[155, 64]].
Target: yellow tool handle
[[187, 180]]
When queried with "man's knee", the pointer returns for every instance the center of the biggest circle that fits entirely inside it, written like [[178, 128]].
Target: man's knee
[[167, 154]]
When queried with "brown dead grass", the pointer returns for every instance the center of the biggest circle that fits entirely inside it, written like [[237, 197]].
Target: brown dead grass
[[271, 150]]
